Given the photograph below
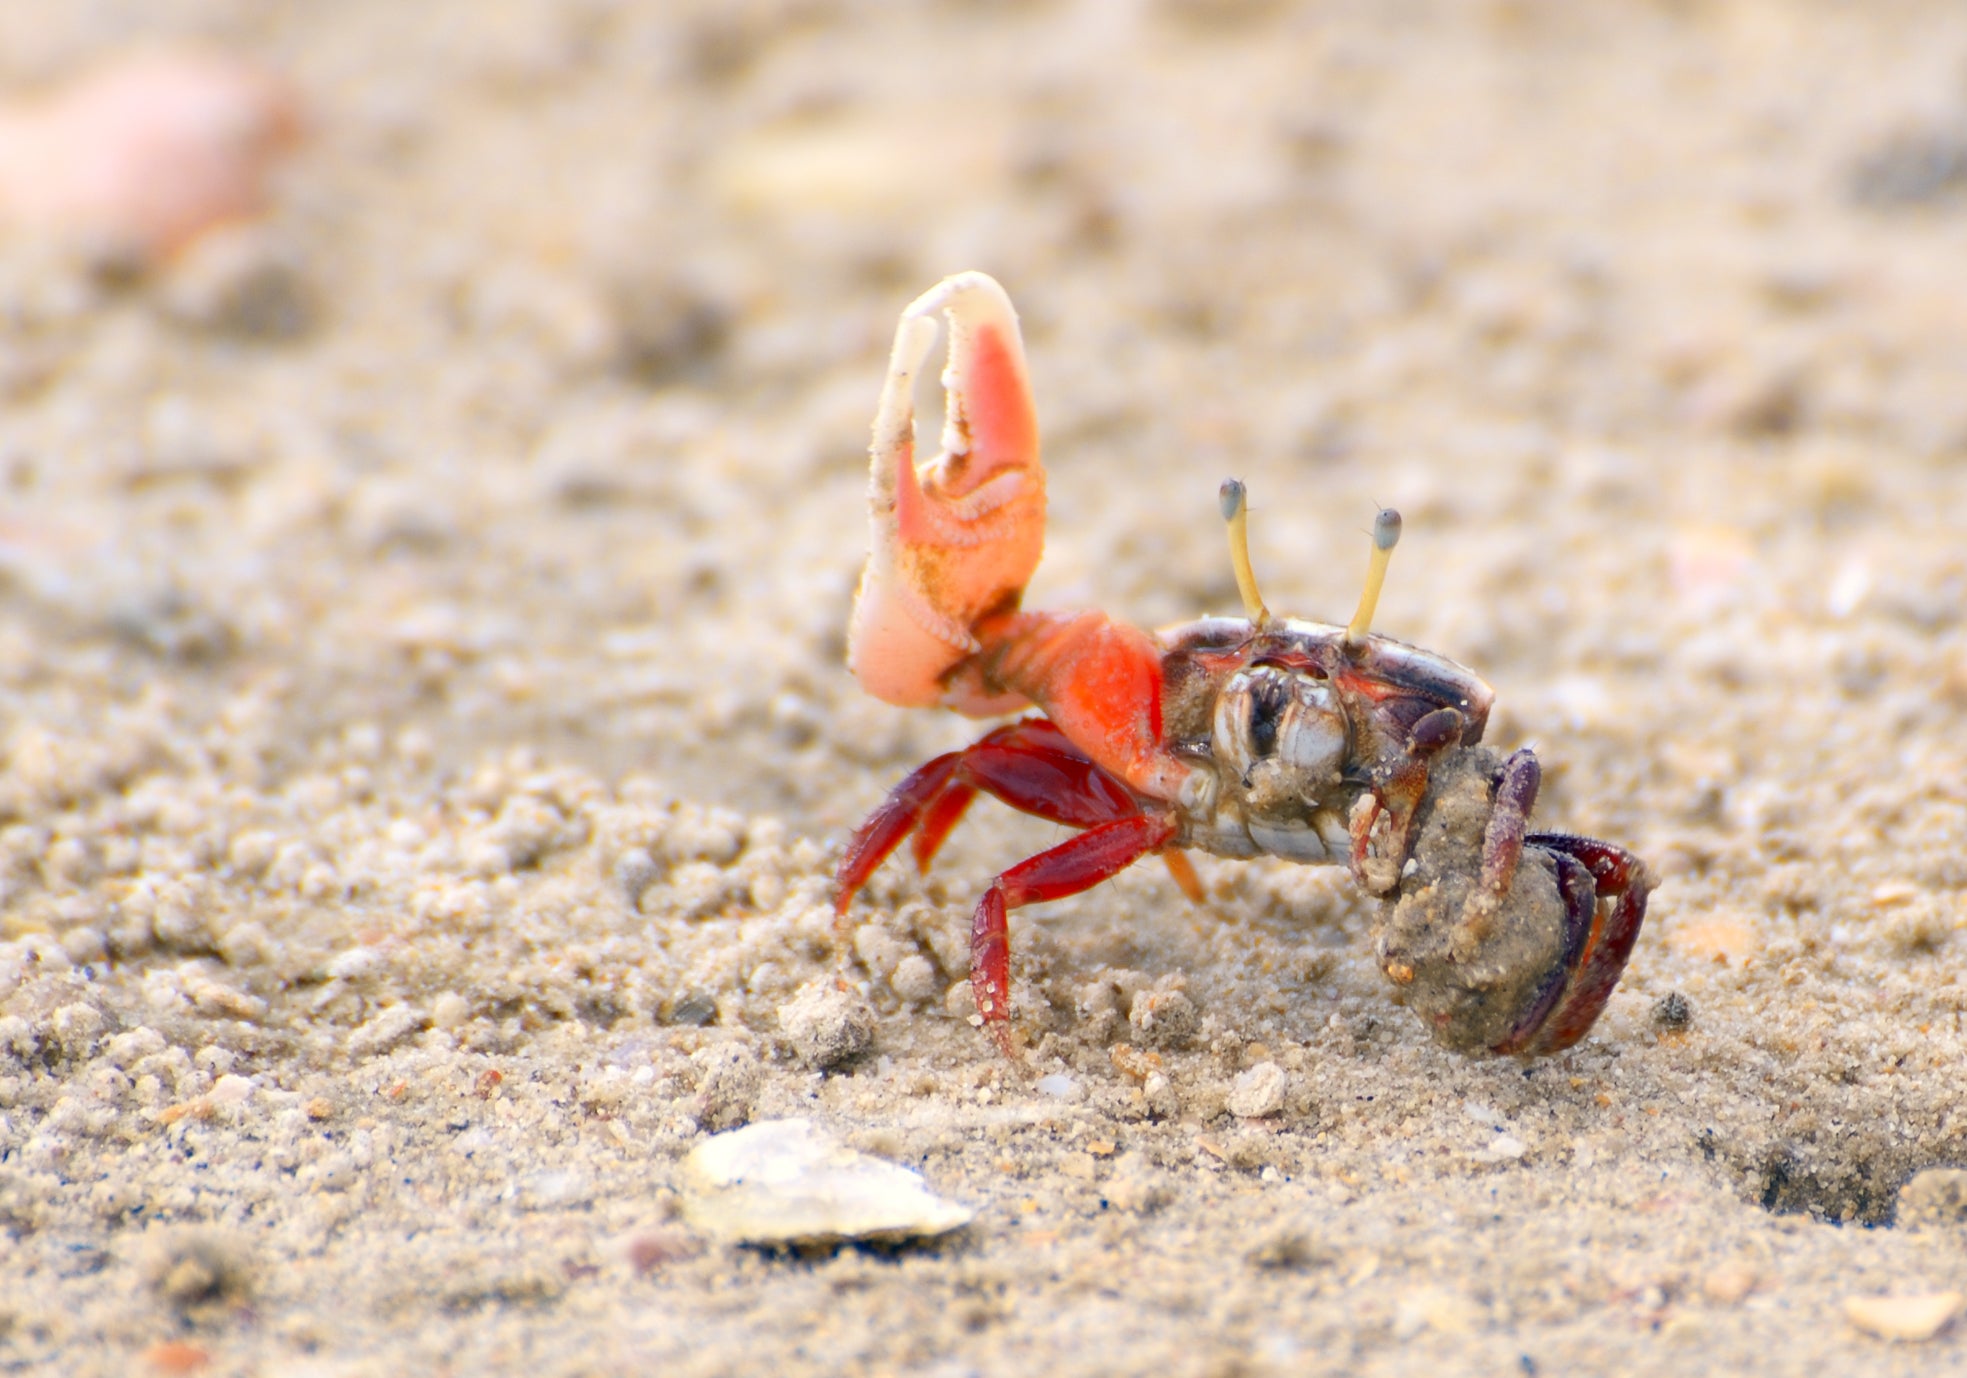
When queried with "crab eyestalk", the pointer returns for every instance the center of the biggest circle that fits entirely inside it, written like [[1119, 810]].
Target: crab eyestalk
[[1236, 512], [1386, 535]]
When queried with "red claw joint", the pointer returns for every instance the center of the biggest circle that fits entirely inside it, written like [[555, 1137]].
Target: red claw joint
[[1240, 736]]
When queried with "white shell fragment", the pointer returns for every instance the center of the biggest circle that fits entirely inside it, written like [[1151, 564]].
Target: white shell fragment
[[787, 1182], [1907, 1319]]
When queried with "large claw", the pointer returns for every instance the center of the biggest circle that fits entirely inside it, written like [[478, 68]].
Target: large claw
[[955, 540]]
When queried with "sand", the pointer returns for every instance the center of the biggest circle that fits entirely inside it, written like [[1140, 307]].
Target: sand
[[426, 740]]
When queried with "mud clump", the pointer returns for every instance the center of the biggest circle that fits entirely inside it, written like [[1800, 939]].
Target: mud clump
[[1469, 978], [827, 1025]]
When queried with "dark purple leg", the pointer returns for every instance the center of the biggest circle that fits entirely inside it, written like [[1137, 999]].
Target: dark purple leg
[[1398, 787], [1502, 843]]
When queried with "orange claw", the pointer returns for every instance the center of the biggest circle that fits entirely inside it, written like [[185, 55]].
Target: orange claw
[[954, 540]]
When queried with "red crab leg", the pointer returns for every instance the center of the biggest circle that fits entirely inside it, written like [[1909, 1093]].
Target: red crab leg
[[1032, 767], [888, 825], [1604, 937], [1052, 782], [1029, 765], [1074, 865]]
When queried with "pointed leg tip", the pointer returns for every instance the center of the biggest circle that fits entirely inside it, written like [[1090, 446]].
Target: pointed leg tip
[[1000, 1034]]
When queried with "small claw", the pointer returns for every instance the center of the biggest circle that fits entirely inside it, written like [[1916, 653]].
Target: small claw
[[954, 540], [1605, 889]]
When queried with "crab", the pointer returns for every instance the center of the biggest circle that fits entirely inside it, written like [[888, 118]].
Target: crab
[[1247, 736]]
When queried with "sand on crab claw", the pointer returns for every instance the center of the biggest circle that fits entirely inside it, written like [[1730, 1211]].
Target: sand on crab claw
[[955, 540]]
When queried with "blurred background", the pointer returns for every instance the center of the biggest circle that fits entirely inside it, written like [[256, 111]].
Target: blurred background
[[432, 488], [517, 381]]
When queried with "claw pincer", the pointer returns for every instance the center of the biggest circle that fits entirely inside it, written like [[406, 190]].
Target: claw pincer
[[955, 540], [1241, 737]]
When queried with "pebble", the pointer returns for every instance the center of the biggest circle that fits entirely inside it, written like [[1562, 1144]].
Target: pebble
[[827, 1025], [1504, 1148], [915, 979], [1439, 1309], [1728, 1284], [242, 281], [1908, 1318], [1715, 939], [1166, 1018], [1258, 1091], [190, 1266], [1059, 1086], [788, 1182], [1936, 1197]]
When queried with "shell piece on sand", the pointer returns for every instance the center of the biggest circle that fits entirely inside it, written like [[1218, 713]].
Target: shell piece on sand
[[789, 1182], [1903, 1318]]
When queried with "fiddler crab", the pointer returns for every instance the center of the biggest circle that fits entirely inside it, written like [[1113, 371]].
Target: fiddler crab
[[1240, 736]]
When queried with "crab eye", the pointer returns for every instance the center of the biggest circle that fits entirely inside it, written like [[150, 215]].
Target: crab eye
[[1245, 726]]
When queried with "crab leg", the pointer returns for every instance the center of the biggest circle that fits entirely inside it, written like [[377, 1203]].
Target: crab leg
[[1398, 788], [1030, 765], [1033, 768], [1074, 865], [956, 539], [1502, 842]]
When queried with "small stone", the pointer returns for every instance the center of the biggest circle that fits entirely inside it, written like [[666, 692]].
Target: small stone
[[1078, 1164], [1258, 1091], [914, 979], [958, 1001], [449, 1010], [176, 1358], [649, 1250], [1673, 1012], [727, 1083], [193, 1267], [554, 1190], [1438, 1309], [635, 871], [1715, 939], [384, 1031], [787, 1183], [1059, 1086], [231, 1090], [243, 281], [694, 1010], [1728, 1284], [1910, 1319], [828, 1026], [1164, 1017], [1504, 1148], [141, 155], [1934, 1198], [1288, 1248]]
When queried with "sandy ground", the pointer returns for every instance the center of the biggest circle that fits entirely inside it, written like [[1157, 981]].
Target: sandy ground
[[426, 740]]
